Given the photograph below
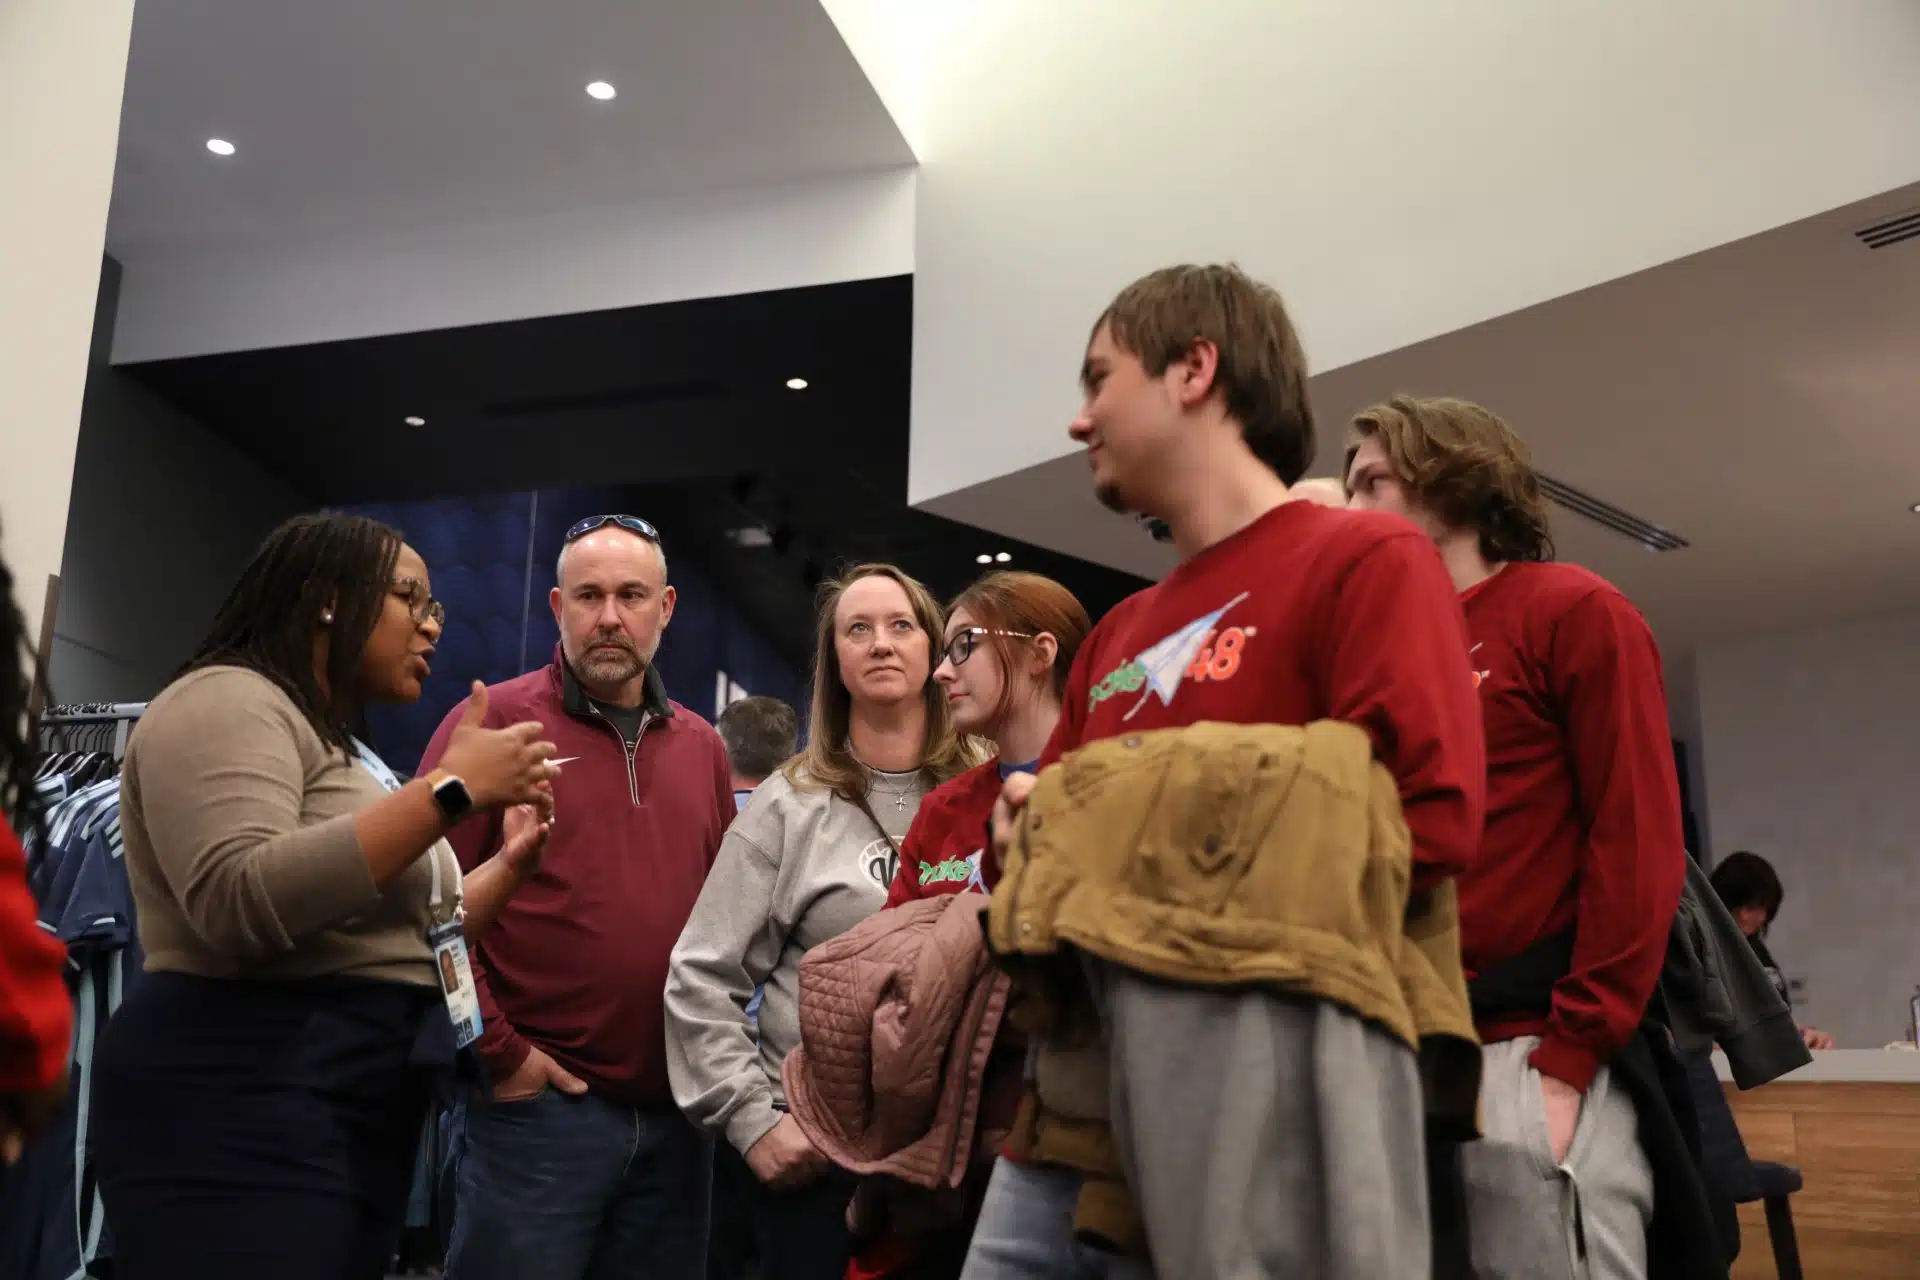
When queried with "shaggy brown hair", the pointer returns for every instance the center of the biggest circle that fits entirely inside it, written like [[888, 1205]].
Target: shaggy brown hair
[[1262, 372], [1463, 464], [828, 760]]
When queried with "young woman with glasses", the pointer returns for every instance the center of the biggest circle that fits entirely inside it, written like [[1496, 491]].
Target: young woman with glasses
[[1010, 641], [259, 1096], [813, 854]]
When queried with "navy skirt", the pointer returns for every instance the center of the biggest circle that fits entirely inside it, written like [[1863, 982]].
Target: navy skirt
[[249, 1129]]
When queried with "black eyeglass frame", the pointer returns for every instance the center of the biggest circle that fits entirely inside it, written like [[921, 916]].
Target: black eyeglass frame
[[971, 636], [632, 524]]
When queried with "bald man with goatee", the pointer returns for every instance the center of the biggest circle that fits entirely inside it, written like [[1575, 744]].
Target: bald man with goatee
[[579, 1164]]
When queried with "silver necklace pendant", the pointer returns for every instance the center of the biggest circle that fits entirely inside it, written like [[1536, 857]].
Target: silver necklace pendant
[[900, 802]]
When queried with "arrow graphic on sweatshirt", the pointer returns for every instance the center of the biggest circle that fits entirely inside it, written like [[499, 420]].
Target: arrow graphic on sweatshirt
[[1166, 663]]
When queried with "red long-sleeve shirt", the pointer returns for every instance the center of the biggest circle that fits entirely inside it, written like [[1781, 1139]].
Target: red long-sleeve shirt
[[1306, 614], [1583, 805], [944, 851], [36, 1017]]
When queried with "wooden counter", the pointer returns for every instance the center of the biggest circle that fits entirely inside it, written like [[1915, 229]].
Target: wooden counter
[[1851, 1123]]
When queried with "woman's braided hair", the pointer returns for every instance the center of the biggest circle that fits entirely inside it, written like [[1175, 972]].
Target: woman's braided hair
[[19, 740], [271, 617]]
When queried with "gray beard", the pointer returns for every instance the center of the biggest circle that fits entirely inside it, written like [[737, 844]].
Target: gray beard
[[609, 668]]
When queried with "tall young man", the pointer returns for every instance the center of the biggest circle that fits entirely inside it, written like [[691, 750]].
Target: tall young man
[[1260, 1135], [1583, 838]]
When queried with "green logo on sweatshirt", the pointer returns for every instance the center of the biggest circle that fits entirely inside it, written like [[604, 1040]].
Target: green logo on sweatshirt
[[962, 871]]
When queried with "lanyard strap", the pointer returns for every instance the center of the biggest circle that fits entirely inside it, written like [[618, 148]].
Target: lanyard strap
[[386, 777]]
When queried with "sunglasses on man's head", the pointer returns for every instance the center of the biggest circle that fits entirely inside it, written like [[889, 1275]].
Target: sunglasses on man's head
[[632, 524]]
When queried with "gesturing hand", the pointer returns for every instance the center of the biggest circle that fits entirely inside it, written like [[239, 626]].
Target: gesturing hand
[[1006, 813], [784, 1158], [525, 831], [499, 766]]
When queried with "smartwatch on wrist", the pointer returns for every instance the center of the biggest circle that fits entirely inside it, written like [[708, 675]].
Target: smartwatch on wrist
[[451, 795]]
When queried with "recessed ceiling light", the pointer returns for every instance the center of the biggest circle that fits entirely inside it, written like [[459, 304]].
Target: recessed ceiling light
[[1915, 508], [796, 384], [1003, 557], [983, 558], [220, 146], [415, 420], [601, 91]]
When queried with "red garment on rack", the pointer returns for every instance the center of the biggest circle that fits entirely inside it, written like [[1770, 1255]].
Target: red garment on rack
[[36, 1016]]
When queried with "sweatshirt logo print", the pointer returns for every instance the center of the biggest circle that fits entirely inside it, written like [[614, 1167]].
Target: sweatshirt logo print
[[962, 871], [1194, 652], [881, 862]]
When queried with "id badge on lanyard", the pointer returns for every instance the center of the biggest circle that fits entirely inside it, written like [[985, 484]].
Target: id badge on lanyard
[[444, 935], [455, 970]]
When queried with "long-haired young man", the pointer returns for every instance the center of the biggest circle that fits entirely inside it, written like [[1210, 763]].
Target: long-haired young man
[[1580, 868]]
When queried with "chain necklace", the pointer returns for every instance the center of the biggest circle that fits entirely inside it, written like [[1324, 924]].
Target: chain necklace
[[899, 795]]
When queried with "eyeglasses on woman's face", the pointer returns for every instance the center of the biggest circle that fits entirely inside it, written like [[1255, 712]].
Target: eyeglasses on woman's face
[[961, 645], [420, 602]]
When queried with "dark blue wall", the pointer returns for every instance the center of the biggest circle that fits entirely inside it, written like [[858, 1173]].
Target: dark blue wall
[[499, 623]]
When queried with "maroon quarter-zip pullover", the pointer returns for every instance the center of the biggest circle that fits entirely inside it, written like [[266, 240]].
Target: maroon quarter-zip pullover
[[577, 961]]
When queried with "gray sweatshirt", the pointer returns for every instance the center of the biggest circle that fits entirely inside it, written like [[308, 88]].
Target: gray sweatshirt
[[800, 866]]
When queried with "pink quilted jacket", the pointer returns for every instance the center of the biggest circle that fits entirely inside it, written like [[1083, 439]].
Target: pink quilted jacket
[[897, 1021]]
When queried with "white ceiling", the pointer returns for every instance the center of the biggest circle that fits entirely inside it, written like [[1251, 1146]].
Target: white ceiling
[[369, 117], [1761, 399]]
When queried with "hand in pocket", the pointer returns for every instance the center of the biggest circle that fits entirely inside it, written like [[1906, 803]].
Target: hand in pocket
[[1562, 1103]]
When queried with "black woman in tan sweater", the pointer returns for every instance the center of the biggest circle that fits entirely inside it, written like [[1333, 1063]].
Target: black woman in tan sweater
[[259, 1097]]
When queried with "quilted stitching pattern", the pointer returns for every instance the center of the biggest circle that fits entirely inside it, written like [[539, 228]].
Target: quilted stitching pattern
[[897, 1020]]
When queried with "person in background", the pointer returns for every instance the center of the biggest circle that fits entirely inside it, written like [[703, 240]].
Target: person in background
[[1010, 641], [814, 854], [760, 735], [259, 1097], [36, 1016], [1582, 839], [579, 1164], [1751, 890], [1249, 1121]]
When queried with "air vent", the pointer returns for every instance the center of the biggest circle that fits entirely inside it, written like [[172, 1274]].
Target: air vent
[[1608, 516], [1890, 231]]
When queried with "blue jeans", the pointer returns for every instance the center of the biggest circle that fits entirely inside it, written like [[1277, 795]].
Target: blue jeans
[[568, 1188], [1025, 1231]]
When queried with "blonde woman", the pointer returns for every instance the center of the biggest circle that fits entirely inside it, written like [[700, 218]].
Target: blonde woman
[[813, 854]]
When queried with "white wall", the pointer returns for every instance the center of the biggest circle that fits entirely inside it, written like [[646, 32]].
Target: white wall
[[1400, 168], [1813, 761], [858, 227], [61, 68], [164, 514]]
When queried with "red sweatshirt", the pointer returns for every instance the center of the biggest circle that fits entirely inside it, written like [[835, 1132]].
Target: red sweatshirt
[[1583, 805], [1306, 614], [943, 851], [36, 1017], [576, 963]]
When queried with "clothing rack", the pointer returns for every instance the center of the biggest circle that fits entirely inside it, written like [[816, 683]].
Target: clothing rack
[[122, 714]]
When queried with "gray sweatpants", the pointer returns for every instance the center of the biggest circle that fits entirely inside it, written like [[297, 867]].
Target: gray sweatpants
[[1531, 1219], [1262, 1136]]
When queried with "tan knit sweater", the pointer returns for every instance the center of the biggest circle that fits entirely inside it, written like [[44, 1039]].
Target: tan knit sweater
[[240, 846]]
